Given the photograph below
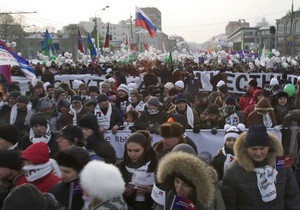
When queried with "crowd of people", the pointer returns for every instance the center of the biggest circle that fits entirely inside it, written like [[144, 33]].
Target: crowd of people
[[53, 153]]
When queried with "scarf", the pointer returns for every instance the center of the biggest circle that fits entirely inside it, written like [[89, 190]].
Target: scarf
[[2, 103], [14, 113], [229, 158], [153, 111], [34, 172], [103, 119], [267, 121], [232, 119], [266, 177], [293, 149], [44, 138], [189, 115], [74, 113]]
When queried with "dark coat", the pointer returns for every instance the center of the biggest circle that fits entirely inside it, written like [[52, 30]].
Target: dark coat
[[239, 186], [148, 121]]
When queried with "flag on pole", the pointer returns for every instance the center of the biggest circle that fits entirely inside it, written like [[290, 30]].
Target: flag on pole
[[5, 70], [79, 41], [141, 19], [106, 44], [164, 48], [126, 41], [92, 49], [170, 61], [47, 43], [8, 57], [263, 57], [146, 46]]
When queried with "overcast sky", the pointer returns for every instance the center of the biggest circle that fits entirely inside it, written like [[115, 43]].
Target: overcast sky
[[194, 20]]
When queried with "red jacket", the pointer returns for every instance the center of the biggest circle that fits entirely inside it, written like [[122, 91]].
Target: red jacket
[[246, 100]]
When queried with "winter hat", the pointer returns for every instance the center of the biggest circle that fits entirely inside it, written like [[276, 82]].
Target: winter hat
[[154, 101], [169, 85], [124, 88], [282, 94], [73, 157], [93, 89], [274, 81], [90, 102], [180, 84], [22, 99], [14, 94], [38, 118], [44, 103], [213, 109], [230, 100], [180, 98], [49, 86], [71, 132], [264, 105], [257, 136], [89, 121], [220, 83], [233, 131], [9, 133], [132, 86], [10, 159], [76, 84], [64, 85], [276, 88], [180, 118], [111, 79], [25, 197], [58, 91], [252, 83], [173, 92], [62, 103], [105, 84], [139, 96], [184, 148], [223, 89], [102, 98], [97, 175], [82, 86], [37, 153], [145, 93], [173, 129], [13, 87], [76, 99]]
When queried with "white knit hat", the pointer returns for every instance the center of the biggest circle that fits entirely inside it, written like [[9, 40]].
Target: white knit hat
[[179, 83], [123, 87], [169, 85], [274, 81], [76, 84], [111, 79], [233, 131]]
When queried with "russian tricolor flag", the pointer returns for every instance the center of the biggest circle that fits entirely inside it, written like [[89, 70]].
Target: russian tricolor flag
[[141, 19]]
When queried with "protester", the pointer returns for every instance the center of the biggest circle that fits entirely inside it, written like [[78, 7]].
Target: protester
[[247, 98], [46, 106], [9, 138], [232, 113], [136, 102]]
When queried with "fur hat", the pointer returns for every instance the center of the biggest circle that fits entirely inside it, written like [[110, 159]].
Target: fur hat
[[97, 175], [179, 84], [22, 99], [89, 121], [124, 88], [173, 129], [180, 98], [154, 101], [293, 115], [37, 153], [73, 157], [264, 105], [213, 109], [94, 89], [102, 98], [38, 118], [10, 159], [25, 197], [64, 85], [253, 83], [223, 89], [220, 83], [169, 85], [44, 103], [233, 131], [257, 136], [39, 84], [9, 133]]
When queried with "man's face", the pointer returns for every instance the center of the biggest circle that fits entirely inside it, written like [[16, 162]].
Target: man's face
[[170, 143], [21, 105], [258, 153], [93, 94], [50, 92], [104, 104], [5, 172], [76, 105], [181, 106], [12, 101], [68, 174], [38, 129]]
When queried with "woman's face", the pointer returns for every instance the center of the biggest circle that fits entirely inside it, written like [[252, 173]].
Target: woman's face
[[230, 142], [68, 174], [87, 132], [182, 189], [134, 151]]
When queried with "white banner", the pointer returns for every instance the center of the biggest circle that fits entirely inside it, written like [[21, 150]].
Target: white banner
[[207, 143], [235, 81]]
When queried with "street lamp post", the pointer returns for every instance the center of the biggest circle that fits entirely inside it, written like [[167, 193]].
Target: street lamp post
[[96, 28]]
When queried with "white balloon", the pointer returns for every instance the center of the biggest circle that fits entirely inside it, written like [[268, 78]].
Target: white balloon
[[13, 44], [93, 40], [19, 54], [277, 53], [230, 44], [219, 48], [257, 62], [273, 51], [283, 59], [7, 44]]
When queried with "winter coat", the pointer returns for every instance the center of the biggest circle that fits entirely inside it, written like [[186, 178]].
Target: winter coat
[[114, 204], [239, 186], [5, 114], [150, 121], [194, 170], [67, 118], [195, 116], [61, 192], [246, 100]]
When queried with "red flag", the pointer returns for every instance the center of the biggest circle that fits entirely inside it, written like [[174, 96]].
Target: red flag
[[106, 44], [79, 42], [126, 41], [5, 70]]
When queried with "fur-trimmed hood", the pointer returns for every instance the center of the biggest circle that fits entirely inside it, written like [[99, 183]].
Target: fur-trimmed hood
[[102, 181], [202, 176], [244, 160], [293, 115]]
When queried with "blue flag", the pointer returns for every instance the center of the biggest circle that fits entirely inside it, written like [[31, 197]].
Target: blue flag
[[47, 42], [92, 49]]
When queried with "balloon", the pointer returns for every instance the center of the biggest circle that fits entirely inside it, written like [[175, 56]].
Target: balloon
[[13, 44], [270, 54], [126, 48], [52, 57], [19, 54], [289, 89]]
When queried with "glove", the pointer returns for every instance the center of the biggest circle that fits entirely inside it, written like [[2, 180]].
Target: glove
[[196, 129], [214, 130], [278, 127], [133, 129]]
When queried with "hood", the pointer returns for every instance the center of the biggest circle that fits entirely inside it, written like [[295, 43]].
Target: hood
[[293, 115], [203, 177], [264, 105], [244, 160]]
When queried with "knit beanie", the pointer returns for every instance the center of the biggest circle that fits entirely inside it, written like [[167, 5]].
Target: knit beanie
[[179, 84], [10, 159], [252, 83], [184, 148], [14, 94], [154, 101], [173, 129], [9, 133], [230, 100], [25, 197], [180, 98], [102, 98], [71, 132], [89, 121], [257, 136], [169, 85], [38, 118], [58, 91], [124, 88], [37, 153], [22, 99], [274, 81], [62, 103], [233, 131], [93, 89], [73, 157], [44, 103], [76, 99]]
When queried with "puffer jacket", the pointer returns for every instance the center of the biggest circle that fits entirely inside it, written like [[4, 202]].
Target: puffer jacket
[[239, 187]]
